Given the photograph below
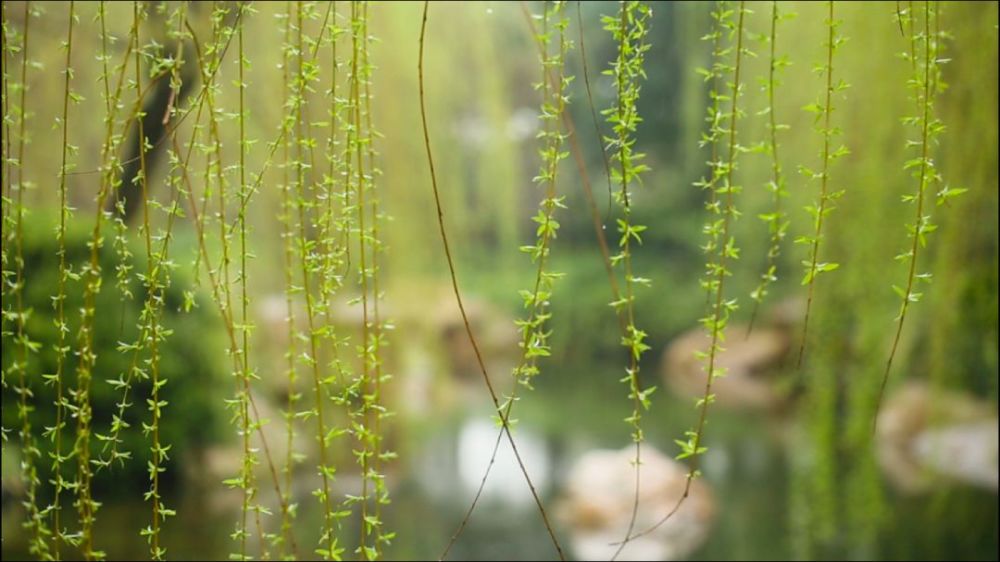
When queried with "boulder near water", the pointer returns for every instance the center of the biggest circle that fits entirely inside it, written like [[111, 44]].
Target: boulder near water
[[599, 498]]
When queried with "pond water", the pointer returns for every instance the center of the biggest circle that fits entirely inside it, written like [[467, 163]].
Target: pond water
[[443, 459]]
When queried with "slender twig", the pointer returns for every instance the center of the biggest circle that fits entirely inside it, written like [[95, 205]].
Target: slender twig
[[461, 305], [921, 223], [290, 353], [627, 70], [154, 473], [313, 361], [29, 449], [60, 302], [357, 29], [590, 100], [381, 494], [775, 220], [721, 308], [7, 146], [249, 485], [820, 213], [581, 169], [533, 337]]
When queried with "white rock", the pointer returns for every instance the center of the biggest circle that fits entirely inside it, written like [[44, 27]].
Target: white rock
[[748, 364], [506, 483], [923, 434], [600, 496]]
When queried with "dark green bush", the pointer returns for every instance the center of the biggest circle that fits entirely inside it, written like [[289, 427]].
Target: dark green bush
[[190, 358]]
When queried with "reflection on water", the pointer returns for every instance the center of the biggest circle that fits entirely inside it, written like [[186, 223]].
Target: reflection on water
[[463, 456], [476, 440], [445, 455], [601, 495]]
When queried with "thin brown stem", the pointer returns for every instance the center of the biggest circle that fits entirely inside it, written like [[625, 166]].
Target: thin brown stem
[[548, 81], [458, 297], [590, 104]]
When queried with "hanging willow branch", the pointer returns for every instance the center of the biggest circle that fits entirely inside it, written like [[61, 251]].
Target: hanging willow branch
[[581, 167], [156, 280], [6, 222], [311, 264], [461, 305], [722, 248], [245, 193], [925, 84], [288, 249], [629, 30], [534, 335], [35, 520], [818, 211], [376, 340], [366, 387], [220, 289], [722, 16], [593, 112], [62, 349], [109, 181], [776, 220]]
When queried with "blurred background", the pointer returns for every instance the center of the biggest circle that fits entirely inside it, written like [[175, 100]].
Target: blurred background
[[792, 471]]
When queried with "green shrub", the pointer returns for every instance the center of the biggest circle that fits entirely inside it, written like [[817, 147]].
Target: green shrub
[[190, 360]]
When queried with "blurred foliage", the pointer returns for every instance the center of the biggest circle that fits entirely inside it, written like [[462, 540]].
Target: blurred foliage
[[480, 65]]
